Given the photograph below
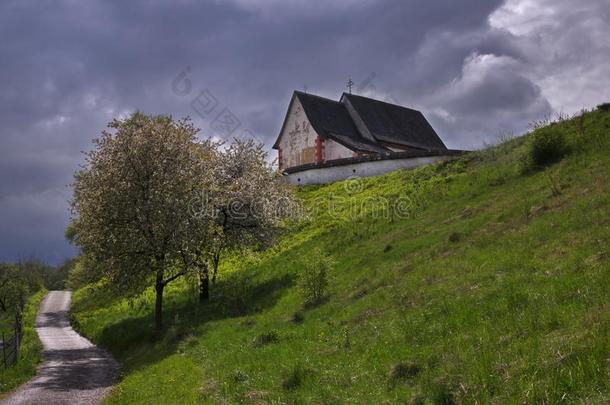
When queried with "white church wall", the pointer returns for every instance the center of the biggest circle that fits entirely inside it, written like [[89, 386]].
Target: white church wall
[[297, 142], [325, 175], [334, 150]]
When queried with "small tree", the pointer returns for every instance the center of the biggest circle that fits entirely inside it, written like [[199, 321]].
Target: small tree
[[12, 288], [131, 201], [250, 203], [314, 277]]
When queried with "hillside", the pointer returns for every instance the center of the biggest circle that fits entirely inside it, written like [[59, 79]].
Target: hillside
[[489, 285]]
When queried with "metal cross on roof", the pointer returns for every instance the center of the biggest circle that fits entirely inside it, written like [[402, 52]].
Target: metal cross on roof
[[350, 83]]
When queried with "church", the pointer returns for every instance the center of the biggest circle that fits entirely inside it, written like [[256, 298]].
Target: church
[[323, 140]]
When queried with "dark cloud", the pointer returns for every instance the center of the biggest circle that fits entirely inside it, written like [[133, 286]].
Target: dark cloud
[[475, 67]]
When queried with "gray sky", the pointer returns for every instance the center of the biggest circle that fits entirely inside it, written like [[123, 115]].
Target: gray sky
[[476, 68]]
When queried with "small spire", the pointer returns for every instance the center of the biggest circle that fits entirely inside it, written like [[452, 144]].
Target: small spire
[[305, 88], [350, 83]]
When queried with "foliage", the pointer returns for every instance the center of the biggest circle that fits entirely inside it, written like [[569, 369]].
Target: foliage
[[29, 355], [295, 377], [56, 278], [131, 202], [266, 338], [547, 146], [237, 299], [313, 277], [82, 272], [18, 281], [604, 107], [404, 371], [250, 204], [153, 203], [514, 311]]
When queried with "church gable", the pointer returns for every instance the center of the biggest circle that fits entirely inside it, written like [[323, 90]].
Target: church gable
[[298, 139]]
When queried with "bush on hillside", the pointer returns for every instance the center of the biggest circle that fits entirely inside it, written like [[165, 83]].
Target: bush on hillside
[[82, 271], [237, 297], [266, 338], [404, 371], [313, 279], [545, 148], [296, 376], [604, 107]]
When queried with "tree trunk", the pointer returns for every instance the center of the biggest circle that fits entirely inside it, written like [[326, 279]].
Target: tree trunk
[[204, 283], [159, 286], [215, 264]]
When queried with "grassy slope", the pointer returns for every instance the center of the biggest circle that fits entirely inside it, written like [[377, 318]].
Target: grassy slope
[[30, 349], [493, 289]]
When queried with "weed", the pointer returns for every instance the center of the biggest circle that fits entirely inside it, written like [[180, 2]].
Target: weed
[[239, 377], [297, 317], [553, 183], [442, 392], [266, 338], [295, 377], [454, 237], [238, 296], [404, 371]]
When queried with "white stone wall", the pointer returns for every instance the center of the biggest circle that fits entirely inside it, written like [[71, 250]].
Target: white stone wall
[[364, 169], [334, 150], [298, 141]]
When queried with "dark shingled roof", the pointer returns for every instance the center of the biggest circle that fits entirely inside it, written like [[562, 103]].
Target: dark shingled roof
[[395, 124], [385, 122], [331, 120]]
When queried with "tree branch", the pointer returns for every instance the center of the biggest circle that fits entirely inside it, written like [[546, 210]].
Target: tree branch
[[172, 278]]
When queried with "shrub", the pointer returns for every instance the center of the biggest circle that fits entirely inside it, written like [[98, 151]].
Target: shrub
[[604, 107], [546, 147], [238, 295], [239, 376], [266, 338], [455, 237], [313, 279], [404, 371], [442, 392], [297, 317], [295, 377]]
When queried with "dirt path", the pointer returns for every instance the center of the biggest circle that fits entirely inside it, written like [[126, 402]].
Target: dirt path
[[74, 370]]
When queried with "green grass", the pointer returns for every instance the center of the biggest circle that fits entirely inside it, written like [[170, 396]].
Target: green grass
[[492, 288], [29, 355]]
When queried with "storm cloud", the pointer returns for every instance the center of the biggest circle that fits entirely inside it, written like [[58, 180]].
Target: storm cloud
[[476, 68]]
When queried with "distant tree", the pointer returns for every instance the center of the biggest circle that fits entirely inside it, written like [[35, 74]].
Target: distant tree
[[11, 287], [83, 271], [18, 281], [55, 277], [131, 201]]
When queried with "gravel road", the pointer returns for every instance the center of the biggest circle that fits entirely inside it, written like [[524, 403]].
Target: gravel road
[[74, 371]]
